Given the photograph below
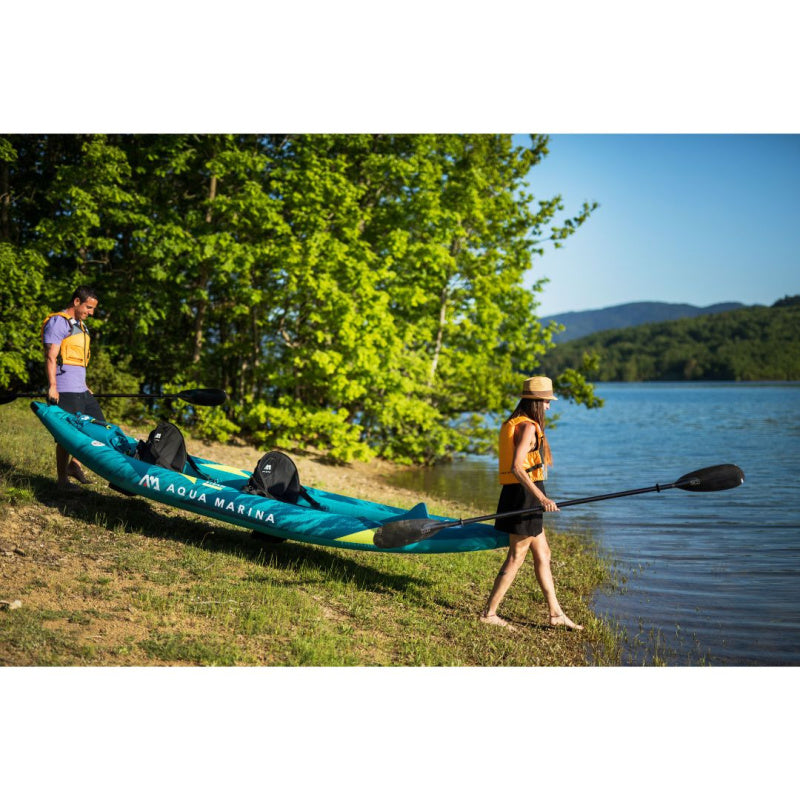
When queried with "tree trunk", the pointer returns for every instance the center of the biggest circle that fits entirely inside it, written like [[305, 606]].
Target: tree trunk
[[439, 334], [5, 203], [455, 248], [202, 303]]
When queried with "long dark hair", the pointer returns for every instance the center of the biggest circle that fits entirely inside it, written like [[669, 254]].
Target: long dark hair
[[534, 409]]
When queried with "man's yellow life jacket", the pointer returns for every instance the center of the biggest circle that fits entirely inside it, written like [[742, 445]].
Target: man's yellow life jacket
[[75, 347], [533, 460]]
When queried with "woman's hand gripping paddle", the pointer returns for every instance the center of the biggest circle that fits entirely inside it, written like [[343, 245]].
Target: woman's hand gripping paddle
[[709, 479]]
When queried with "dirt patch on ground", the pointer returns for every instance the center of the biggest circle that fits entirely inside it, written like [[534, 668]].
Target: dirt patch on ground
[[43, 571], [78, 585]]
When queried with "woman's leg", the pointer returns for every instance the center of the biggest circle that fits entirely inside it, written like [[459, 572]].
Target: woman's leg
[[540, 549], [517, 550]]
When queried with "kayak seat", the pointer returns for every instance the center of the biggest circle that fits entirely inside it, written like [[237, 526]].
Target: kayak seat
[[420, 511]]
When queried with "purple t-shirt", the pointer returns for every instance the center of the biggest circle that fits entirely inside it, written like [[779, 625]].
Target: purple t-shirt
[[69, 378]]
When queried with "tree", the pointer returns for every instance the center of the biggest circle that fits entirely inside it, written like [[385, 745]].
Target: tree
[[754, 343], [402, 302], [21, 285], [358, 293], [20, 290]]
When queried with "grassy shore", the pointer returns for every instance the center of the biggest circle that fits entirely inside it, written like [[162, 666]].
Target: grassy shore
[[95, 578]]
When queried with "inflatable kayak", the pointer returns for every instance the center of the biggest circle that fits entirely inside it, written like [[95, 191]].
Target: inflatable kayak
[[215, 490]]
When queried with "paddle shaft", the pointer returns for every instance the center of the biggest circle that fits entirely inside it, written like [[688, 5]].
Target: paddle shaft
[[11, 397], [197, 396], [657, 488], [143, 396]]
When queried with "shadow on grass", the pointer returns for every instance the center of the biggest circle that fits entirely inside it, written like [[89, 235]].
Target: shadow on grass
[[138, 515]]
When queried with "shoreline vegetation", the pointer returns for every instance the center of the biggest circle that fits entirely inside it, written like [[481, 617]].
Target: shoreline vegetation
[[755, 343], [92, 578]]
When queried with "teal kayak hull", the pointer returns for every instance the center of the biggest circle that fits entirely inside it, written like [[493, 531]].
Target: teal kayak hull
[[343, 522]]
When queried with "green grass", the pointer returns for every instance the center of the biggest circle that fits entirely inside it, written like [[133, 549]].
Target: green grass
[[109, 580]]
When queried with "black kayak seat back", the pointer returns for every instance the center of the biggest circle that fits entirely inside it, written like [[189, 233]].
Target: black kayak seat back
[[276, 476], [166, 447]]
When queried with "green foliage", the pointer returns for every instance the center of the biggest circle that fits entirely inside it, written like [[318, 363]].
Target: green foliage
[[212, 424], [114, 377], [794, 300], [573, 382], [371, 285], [295, 428], [755, 343], [21, 282]]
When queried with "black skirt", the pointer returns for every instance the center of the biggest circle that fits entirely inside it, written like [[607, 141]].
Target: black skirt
[[513, 497]]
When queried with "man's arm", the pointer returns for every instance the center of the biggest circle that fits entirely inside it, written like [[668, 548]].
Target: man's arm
[[51, 352]]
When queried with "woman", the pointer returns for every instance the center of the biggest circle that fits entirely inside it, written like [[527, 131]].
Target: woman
[[524, 458]]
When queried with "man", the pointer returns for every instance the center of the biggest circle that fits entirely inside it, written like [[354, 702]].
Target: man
[[66, 353]]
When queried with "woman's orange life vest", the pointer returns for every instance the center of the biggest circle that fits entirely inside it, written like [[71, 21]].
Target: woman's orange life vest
[[533, 460], [75, 347]]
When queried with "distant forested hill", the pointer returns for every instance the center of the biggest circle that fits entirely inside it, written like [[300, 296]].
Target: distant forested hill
[[752, 343], [583, 323]]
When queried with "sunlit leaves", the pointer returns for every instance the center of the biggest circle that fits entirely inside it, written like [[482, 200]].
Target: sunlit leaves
[[357, 293], [21, 279]]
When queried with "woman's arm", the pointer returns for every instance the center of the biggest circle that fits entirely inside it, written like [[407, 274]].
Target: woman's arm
[[524, 440]]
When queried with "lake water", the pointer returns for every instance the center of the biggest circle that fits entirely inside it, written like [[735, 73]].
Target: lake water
[[706, 578]]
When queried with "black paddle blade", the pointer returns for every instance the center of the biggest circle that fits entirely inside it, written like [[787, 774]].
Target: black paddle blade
[[7, 397], [203, 397], [403, 532], [711, 479]]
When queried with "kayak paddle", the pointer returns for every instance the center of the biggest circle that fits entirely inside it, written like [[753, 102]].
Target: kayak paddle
[[709, 479], [198, 397]]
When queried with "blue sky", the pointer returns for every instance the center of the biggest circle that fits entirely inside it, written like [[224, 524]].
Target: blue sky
[[683, 218]]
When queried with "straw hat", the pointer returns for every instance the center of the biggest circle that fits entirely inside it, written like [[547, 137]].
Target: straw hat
[[538, 388]]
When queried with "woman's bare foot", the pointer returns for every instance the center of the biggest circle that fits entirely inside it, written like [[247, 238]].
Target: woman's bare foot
[[76, 471], [493, 619], [562, 620]]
